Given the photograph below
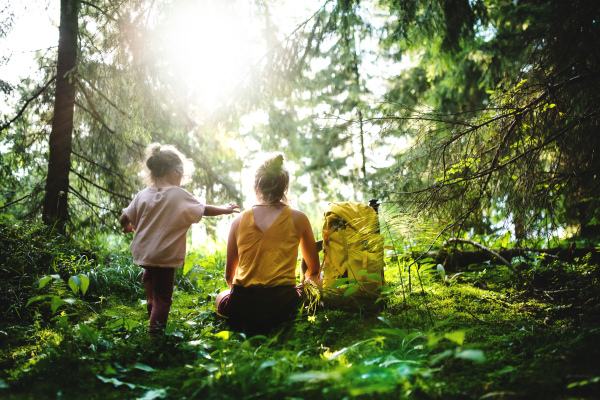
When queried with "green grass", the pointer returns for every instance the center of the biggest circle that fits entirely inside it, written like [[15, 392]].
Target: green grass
[[472, 339]]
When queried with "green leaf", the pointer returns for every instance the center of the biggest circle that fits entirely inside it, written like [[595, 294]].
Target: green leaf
[[74, 284], [267, 364], [503, 241], [374, 276], [85, 283], [362, 272], [225, 335], [425, 267], [144, 367], [129, 324], [583, 383], [189, 264], [339, 282], [56, 302], [350, 290], [389, 331], [315, 376], [154, 394], [473, 355], [457, 337], [441, 356], [441, 271], [89, 333], [115, 382], [36, 298], [43, 281]]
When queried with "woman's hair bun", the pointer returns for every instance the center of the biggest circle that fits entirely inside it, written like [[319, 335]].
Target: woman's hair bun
[[277, 162], [164, 159], [271, 180], [153, 149]]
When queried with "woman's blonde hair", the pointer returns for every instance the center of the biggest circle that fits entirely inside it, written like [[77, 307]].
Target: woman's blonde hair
[[271, 180], [163, 159]]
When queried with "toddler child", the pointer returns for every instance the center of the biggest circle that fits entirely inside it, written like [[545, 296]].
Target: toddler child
[[160, 215]]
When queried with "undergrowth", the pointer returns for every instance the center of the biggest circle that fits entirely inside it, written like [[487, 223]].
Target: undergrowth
[[477, 335]]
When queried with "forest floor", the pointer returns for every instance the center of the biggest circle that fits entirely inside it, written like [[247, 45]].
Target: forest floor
[[477, 335]]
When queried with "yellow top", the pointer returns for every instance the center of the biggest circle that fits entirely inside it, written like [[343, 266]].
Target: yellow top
[[267, 258]]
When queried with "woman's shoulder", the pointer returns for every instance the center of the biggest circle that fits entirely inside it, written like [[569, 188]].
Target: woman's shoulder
[[297, 212], [300, 219], [238, 219]]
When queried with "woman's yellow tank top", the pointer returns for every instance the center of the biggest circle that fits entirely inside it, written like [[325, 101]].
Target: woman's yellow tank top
[[267, 258]]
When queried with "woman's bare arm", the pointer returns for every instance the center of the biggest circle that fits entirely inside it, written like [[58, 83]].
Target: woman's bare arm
[[232, 252], [308, 246]]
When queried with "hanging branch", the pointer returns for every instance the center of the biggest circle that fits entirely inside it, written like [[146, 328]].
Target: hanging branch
[[91, 203], [96, 90], [35, 96], [83, 178], [91, 207], [99, 10], [15, 201], [121, 177]]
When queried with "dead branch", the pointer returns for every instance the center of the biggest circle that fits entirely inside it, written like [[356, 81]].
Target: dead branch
[[488, 250]]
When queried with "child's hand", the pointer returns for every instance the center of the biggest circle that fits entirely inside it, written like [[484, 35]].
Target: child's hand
[[212, 211], [231, 208], [128, 228]]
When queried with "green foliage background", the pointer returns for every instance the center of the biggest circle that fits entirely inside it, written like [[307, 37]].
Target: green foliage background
[[468, 119]]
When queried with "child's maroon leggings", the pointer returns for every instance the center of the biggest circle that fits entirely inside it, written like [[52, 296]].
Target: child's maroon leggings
[[158, 283]]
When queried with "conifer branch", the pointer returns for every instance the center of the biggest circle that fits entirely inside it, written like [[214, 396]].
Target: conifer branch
[[86, 159], [83, 178], [27, 102]]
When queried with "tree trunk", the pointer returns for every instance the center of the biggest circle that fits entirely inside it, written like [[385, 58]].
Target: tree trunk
[[55, 212]]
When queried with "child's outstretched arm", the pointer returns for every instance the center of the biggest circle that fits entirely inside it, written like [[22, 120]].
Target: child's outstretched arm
[[211, 211], [126, 224]]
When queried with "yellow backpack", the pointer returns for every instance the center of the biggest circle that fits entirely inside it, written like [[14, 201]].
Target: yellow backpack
[[353, 253]]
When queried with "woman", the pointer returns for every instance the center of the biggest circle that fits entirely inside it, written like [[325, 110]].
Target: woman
[[262, 251]]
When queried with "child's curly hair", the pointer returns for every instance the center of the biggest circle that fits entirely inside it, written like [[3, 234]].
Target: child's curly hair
[[271, 180], [162, 159]]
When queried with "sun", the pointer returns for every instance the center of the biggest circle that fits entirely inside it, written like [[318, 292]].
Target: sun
[[209, 48]]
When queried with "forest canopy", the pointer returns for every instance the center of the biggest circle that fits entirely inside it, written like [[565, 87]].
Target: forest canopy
[[476, 116]]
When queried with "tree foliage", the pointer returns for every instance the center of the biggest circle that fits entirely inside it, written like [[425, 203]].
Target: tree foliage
[[479, 114], [122, 102]]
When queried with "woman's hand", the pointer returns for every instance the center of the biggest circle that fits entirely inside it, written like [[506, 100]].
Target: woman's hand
[[315, 280]]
